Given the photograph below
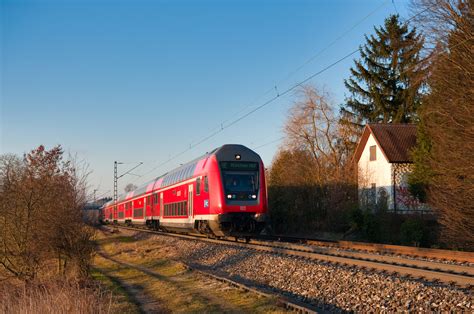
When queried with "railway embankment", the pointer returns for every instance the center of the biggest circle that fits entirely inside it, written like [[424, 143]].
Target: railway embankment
[[325, 285], [155, 283]]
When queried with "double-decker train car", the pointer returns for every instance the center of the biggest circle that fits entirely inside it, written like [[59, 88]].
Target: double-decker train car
[[220, 193]]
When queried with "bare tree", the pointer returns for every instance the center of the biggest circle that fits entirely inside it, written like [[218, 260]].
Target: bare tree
[[438, 18], [311, 180], [313, 126], [448, 117]]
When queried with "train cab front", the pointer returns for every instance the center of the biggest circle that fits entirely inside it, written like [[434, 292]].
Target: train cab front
[[244, 199]]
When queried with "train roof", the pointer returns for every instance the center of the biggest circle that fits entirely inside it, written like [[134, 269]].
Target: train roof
[[183, 172]]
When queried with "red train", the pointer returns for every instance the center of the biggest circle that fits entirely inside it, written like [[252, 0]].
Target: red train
[[221, 193]]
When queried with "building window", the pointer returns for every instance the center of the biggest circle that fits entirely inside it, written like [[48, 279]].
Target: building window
[[373, 152]]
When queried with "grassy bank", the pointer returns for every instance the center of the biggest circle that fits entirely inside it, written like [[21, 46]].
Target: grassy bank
[[160, 283]]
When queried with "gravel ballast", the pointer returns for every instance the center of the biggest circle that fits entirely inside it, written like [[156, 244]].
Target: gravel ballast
[[327, 286]]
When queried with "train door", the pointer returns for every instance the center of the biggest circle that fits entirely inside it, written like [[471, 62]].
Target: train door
[[160, 213], [154, 204], [190, 200], [146, 206]]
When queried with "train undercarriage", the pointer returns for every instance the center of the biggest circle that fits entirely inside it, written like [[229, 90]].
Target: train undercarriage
[[239, 225]]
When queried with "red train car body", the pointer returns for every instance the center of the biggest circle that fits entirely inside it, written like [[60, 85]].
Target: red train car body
[[221, 193]]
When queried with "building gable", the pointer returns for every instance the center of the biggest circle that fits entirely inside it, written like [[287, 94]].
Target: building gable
[[395, 141]]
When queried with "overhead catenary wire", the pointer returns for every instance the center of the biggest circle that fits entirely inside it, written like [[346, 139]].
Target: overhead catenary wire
[[268, 143], [305, 63], [266, 103], [224, 126]]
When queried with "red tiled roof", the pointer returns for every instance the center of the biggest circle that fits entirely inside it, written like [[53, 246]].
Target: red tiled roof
[[395, 140]]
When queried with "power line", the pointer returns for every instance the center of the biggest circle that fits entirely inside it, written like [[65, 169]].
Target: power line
[[312, 58], [268, 143], [224, 127], [305, 63], [219, 127], [288, 90]]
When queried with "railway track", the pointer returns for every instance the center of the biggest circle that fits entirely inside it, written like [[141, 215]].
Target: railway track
[[460, 275], [416, 252]]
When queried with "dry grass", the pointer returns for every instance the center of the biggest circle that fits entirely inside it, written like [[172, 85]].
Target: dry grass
[[55, 296], [167, 286]]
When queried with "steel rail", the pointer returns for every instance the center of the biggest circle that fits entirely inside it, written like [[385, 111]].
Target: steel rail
[[381, 258], [439, 254]]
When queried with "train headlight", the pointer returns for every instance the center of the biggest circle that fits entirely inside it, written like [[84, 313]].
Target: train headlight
[[229, 196], [254, 196], [237, 157]]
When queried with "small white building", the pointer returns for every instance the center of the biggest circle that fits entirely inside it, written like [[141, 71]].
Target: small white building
[[384, 162]]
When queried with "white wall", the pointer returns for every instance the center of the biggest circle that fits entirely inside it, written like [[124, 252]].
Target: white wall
[[378, 171]]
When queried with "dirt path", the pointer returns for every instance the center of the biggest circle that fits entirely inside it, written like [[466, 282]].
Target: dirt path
[[166, 286], [135, 293]]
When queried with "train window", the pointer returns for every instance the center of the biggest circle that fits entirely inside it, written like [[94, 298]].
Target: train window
[[148, 200], [180, 207], [206, 184], [198, 186], [185, 208]]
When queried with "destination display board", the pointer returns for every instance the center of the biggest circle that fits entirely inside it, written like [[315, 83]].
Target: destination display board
[[239, 165]]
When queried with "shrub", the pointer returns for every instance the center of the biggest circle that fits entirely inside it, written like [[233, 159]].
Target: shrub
[[412, 232]]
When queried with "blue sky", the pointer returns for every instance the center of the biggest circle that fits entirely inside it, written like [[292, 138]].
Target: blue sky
[[142, 80]]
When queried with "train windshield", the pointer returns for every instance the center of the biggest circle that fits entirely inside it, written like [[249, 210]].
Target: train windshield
[[240, 177], [240, 182]]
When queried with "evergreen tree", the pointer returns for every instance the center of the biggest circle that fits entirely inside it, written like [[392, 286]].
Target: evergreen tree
[[385, 83]]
